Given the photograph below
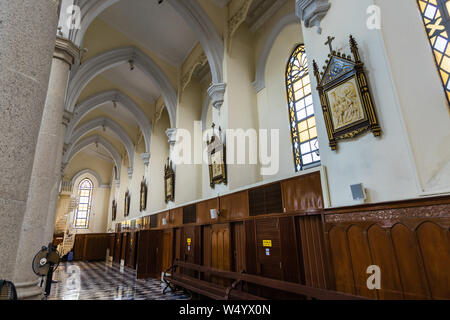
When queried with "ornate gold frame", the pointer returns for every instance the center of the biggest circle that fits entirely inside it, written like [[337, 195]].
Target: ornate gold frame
[[143, 193], [169, 175], [339, 70], [114, 210], [127, 204], [215, 145]]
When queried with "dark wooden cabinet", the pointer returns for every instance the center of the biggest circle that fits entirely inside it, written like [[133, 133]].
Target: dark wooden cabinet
[[149, 256]]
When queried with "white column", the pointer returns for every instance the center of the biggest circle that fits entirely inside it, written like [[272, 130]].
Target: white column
[[27, 37], [45, 178]]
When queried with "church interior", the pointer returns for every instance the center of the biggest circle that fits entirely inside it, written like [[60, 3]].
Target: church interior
[[225, 149]]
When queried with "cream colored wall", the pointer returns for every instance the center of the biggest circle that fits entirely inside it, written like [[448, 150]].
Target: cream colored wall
[[382, 164], [423, 105], [240, 109], [272, 100]]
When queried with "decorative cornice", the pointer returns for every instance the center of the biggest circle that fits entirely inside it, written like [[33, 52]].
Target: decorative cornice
[[172, 135], [67, 117], [389, 217], [186, 78], [312, 12], [237, 19], [217, 93], [66, 50], [146, 158]]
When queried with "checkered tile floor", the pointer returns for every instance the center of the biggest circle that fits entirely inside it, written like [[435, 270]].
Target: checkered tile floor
[[105, 281]]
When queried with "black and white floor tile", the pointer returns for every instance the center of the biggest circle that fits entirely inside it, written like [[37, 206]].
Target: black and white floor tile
[[105, 281]]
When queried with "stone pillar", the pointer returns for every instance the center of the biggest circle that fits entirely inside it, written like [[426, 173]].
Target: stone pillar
[[45, 178], [58, 175], [27, 37]]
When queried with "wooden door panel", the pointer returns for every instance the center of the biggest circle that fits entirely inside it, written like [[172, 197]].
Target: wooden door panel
[[384, 256], [409, 262]]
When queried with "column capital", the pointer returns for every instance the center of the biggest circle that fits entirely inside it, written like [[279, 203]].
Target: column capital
[[217, 94], [312, 12], [172, 135], [130, 172], [66, 50], [67, 116], [146, 158]]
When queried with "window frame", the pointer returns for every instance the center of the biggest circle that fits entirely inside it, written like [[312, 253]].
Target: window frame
[[442, 14], [89, 204], [290, 83]]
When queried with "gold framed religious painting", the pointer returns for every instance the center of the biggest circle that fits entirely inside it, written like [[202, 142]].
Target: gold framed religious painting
[[127, 204], [169, 181], [347, 103], [114, 210], [216, 159], [143, 196]]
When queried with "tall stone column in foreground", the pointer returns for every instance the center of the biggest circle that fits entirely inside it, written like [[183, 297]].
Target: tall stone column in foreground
[[27, 42], [46, 175]]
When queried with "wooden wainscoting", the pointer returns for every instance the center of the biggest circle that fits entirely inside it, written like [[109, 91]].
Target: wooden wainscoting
[[408, 240], [91, 247]]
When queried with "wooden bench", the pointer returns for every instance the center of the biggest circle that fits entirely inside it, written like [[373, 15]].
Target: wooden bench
[[218, 292]]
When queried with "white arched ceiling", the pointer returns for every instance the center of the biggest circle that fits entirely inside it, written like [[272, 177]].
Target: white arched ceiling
[[105, 61], [116, 96], [80, 145], [260, 76], [189, 10], [87, 171], [105, 122]]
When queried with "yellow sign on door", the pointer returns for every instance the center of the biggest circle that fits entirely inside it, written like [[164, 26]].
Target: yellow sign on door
[[189, 240], [267, 243]]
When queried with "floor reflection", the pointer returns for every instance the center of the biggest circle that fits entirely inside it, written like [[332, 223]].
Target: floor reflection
[[105, 281]]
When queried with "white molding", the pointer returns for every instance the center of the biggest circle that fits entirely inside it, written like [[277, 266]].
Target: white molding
[[107, 60], [87, 171], [80, 145], [266, 16], [206, 102], [260, 76], [217, 94], [99, 99], [312, 12], [107, 123], [207, 33]]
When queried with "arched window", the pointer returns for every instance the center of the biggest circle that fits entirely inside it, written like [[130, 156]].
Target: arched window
[[301, 111], [436, 18], [84, 206]]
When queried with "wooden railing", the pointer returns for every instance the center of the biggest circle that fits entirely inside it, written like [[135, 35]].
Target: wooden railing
[[218, 292]]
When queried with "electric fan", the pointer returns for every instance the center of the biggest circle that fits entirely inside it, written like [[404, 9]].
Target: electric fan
[[45, 262], [7, 290]]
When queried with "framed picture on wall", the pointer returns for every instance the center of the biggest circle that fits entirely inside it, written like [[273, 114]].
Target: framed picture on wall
[[127, 204], [347, 103], [169, 181], [143, 196], [114, 210], [216, 159]]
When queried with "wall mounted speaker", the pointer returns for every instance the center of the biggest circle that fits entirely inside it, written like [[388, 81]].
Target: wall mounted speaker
[[358, 192]]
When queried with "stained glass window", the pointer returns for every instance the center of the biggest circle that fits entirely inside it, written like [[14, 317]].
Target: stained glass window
[[84, 205], [301, 111], [436, 18]]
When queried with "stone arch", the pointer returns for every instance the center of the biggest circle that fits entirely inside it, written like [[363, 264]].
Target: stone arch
[[260, 76], [117, 96], [80, 145], [104, 122], [107, 60], [189, 10], [87, 171]]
